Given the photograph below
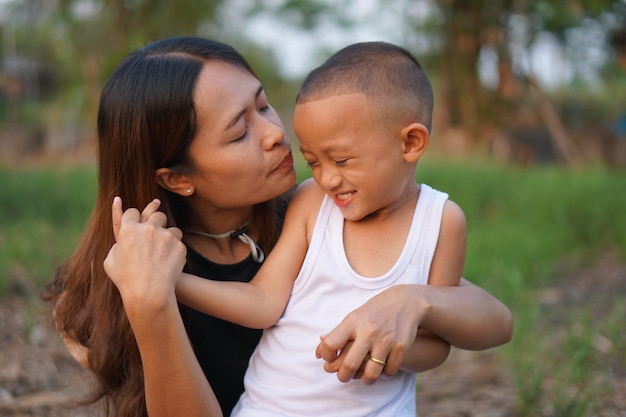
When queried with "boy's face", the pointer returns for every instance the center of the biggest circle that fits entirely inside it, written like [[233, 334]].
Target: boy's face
[[356, 158]]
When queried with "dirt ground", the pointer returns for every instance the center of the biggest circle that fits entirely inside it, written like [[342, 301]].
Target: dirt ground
[[39, 378]]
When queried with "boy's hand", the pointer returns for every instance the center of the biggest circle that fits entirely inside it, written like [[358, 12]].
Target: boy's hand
[[336, 365]]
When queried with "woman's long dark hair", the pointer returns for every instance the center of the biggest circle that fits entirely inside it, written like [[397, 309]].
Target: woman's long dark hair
[[146, 120]]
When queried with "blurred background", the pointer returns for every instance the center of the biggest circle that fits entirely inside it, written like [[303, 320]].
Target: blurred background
[[526, 81], [529, 138]]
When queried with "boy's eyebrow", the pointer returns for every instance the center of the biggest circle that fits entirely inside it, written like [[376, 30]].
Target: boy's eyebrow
[[241, 113]]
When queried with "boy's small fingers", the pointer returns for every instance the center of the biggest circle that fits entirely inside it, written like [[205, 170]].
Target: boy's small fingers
[[331, 343]]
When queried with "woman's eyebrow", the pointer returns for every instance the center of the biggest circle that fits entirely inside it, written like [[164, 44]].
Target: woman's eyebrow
[[241, 113]]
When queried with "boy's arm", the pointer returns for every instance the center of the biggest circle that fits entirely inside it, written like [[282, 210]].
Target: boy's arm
[[429, 351], [246, 304], [448, 261], [260, 303], [467, 316], [464, 315]]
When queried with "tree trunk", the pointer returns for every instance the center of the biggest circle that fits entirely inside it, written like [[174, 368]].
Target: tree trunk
[[561, 140], [462, 92]]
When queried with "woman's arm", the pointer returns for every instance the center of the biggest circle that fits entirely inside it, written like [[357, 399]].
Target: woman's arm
[[144, 265], [174, 382], [466, 316]]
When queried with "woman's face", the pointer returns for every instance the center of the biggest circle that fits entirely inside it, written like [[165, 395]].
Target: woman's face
[[241, 154]]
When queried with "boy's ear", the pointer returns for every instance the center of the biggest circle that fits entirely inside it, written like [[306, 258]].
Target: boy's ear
[[174, 182], [414, 141]]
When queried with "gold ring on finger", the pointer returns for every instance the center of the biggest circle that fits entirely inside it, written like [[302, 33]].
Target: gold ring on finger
[[378, 361]]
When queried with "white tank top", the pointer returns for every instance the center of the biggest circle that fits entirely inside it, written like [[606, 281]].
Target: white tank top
[[284, 378]]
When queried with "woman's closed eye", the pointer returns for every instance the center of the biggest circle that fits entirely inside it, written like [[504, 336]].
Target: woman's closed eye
[[242, 136]]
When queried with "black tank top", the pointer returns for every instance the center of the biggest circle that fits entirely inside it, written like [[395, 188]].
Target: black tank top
[[223, 349]]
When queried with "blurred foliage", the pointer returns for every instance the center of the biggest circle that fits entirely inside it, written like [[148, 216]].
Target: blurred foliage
[[81, 41], [56, 54], [42, 213]]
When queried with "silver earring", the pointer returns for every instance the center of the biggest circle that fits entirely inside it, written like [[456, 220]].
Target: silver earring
[[188, 190]]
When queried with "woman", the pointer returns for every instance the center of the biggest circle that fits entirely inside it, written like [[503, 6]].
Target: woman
[[186, 119]]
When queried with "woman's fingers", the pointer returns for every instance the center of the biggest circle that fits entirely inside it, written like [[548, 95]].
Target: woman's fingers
[[357, 362], [143, 242], [149, 214], [373, 367], [380, 332], [176, 232], [116, 215]]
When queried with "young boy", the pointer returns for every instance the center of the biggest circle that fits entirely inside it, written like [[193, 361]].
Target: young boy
[[363, 119]]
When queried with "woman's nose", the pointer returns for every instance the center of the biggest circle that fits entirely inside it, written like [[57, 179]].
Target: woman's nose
[[273, 134]]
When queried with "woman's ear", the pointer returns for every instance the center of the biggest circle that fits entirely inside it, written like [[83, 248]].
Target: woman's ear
[[174, 182], [414, 141]]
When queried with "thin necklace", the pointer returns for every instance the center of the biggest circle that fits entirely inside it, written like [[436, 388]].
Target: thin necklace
[[241, 233]]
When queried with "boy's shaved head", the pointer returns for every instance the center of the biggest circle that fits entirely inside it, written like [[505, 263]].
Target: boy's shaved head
[[383, 72]]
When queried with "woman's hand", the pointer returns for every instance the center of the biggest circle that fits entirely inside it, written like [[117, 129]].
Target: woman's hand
[[383, 329], [147, 258], [145, 263]]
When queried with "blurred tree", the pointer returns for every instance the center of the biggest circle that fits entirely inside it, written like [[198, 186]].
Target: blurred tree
[[81, 41], [508, 29], [466, 27], [91, 36]]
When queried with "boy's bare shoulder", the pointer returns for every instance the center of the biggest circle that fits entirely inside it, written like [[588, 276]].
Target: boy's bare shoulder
[[306, 200], [308, 192], [305, 205], [453, 217]]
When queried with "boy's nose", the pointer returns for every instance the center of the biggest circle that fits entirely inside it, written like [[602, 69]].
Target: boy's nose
[[328, 179]]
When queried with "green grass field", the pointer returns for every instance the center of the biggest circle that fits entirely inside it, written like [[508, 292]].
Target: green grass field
[[522, 223]]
